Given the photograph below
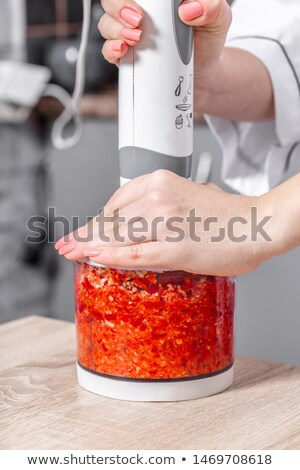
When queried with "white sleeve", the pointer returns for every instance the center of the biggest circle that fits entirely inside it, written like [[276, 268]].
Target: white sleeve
[[256, 155]]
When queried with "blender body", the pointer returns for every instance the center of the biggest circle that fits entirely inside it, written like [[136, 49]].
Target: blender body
[[156, 95]]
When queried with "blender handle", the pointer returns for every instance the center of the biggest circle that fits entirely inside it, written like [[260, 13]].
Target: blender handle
[[183, 35], [156, 96]]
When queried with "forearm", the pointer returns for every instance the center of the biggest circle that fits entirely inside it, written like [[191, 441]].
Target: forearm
[[283, 204], [237, 87]]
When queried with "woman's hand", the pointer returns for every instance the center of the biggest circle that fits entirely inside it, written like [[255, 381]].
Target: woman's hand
[[169, 222], [229, 83], [122, 26]]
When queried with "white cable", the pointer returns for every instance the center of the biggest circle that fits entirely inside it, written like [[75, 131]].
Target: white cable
[[71, 104], [203, 168]]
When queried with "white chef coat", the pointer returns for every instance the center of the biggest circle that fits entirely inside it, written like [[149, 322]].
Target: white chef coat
[[257, 155]]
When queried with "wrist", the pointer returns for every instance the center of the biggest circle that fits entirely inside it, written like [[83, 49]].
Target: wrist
[[268, 245], [209, 82], [284, 204], [235, 86]]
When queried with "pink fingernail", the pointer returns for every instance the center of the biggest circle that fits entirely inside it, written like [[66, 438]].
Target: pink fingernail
[[63, 241], [190, 11], [131, 34], [92, 253], [131, 17], [68, 248], [118, 46]]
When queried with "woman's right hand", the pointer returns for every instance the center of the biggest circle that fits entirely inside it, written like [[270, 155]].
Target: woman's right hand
[[121, 26]]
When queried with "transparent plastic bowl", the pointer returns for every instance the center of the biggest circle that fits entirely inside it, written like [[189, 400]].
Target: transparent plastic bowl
[[143, 329]]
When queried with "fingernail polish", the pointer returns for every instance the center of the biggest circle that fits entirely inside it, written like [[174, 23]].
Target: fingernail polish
[[118, 46], [131, 34], [131, 17], [59, 243], [63, 241], [190, 11], [92, 253], [68, 248]]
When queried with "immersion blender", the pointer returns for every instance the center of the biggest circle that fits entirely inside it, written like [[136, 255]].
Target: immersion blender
[[155, 132]]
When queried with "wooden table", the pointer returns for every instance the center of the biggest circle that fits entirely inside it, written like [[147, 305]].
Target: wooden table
[[42, 407]]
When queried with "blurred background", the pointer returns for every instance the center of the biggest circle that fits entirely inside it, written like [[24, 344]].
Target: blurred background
[[77, 182]]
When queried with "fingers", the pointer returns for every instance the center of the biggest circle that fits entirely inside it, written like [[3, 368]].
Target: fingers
[[109, 27], [84, 240], [132, 224], [126, 12], [129, 225], [191, 11], [199, 13], [113, 29], [114, 50], [89, 235], [120, 26], [63, 241], [125, 227], [127, 194]]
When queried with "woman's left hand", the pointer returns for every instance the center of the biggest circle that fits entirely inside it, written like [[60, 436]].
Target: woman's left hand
[[169, 222]]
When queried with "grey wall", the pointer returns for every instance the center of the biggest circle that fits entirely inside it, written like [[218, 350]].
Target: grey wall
[[268, 313]]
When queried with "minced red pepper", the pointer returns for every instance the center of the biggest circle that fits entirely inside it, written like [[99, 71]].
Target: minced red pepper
[[146, 325]]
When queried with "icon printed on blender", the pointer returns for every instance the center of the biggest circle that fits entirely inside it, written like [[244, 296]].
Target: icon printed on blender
[[189, 92], [184, 107], [189, 118], [179, 122], [178, 89], [185, 99]]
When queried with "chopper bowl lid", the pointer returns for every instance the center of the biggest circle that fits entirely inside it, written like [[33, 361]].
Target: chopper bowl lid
[[121, 268]]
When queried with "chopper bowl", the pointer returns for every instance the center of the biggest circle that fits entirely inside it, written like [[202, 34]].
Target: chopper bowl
[[153, 336]]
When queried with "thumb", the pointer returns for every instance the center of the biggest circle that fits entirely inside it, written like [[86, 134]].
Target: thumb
[[199, 13]]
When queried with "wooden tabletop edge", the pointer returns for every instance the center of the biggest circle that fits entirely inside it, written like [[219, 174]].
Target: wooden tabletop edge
[[21, 322]]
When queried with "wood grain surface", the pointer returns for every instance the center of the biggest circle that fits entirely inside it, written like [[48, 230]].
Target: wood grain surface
[[43, 407]]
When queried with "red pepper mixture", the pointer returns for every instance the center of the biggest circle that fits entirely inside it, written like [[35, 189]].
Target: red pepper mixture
[[146, 325]]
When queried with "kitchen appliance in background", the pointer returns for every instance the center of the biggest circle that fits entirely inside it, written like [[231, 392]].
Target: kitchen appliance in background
[[21, 86], [151, 335]]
